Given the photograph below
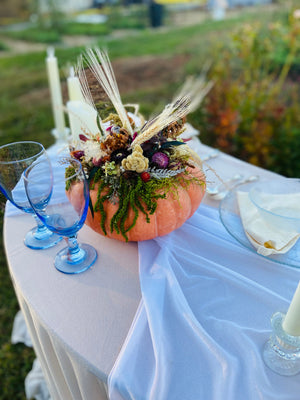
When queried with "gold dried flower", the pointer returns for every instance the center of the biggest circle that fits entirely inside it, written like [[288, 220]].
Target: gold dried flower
[[113, 119], [136, 161]]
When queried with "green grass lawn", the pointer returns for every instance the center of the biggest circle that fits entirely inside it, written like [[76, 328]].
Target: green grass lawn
[[25, 114]]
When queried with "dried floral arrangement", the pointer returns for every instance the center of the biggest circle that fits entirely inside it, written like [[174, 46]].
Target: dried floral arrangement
[[129, 163]]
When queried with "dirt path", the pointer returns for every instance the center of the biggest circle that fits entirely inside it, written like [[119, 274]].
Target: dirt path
[[22, 46], [132, 74], [184, 17], [19, 46]]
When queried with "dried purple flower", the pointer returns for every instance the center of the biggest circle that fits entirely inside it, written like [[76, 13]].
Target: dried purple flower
[[160, 159], [97, 162], [77, 154], [83, 138]]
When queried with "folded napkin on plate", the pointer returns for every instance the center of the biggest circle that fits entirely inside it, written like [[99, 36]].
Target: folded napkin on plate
[[261, 234]]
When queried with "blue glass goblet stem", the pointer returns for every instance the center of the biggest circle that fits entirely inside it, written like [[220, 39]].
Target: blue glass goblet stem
[[66, 210]]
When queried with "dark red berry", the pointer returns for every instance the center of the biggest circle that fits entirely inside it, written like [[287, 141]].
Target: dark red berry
[[145, 176]]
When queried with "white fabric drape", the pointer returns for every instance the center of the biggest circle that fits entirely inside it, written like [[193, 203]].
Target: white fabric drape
[[35, 384], [78, 324], [20, 332], [203, 320]]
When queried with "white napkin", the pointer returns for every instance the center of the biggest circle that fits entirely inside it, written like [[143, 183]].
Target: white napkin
[[265, 238]]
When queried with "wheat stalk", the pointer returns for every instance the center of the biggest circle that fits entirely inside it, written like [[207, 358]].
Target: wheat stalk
[[101, 67], [187, 100], [196, 88], [172, 112]]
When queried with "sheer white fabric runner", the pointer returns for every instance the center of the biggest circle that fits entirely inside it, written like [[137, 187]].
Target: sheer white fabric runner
[[203, 320]]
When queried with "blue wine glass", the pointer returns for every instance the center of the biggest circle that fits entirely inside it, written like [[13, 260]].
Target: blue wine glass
[[14, 159], [66, 210]]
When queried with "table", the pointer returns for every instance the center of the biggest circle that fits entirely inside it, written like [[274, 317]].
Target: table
[[78, 323]]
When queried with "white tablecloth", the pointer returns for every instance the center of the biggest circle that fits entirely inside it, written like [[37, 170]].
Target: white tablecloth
[[79, 323]]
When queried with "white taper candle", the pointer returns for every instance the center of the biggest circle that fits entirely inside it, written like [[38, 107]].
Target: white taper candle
[[83, 119], [74, 90], [291, 323], [55, 90]]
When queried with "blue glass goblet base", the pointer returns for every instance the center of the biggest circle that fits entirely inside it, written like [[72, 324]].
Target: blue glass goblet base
[[69, 262], [40, 239]]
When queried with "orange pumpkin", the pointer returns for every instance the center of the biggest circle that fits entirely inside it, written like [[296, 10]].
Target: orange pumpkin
[[170, 213]]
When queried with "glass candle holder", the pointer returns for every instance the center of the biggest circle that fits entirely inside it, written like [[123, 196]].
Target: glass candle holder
[[282, 351], [61, 137]]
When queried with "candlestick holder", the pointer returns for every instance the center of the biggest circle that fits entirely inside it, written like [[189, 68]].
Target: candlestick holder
[[282, 351], [61, 137]]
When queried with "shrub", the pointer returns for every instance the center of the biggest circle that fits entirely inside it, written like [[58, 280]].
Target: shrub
[[76, 28], [134, 17], [3, 46], [252, 112], [36, 34]]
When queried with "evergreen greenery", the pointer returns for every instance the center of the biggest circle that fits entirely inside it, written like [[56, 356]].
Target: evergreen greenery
[[135, 194]]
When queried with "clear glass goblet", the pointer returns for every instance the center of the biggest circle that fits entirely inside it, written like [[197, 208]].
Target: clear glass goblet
[[14, 159], [66, 210]]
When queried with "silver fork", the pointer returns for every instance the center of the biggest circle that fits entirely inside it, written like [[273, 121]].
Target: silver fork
[[211, 155], [221, 190]]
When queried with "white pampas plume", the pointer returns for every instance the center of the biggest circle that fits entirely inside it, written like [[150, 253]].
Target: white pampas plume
[[196, 88], [172, 112], [101, 67], [85, 89]]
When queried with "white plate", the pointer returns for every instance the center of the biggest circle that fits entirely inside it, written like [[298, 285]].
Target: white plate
[[230, 217]]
